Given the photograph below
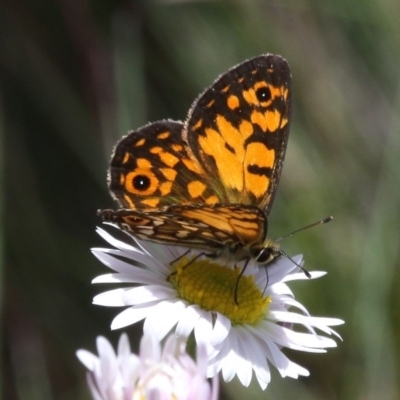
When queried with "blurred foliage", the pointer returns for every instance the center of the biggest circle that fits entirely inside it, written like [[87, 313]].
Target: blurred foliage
[[77, 75]]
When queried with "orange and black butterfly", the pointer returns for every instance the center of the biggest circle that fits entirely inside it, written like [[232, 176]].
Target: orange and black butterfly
[[209, 183]]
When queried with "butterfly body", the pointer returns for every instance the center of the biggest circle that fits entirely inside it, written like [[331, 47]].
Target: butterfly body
[[209, 183]]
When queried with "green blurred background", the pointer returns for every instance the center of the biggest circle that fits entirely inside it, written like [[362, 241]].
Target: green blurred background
[[77, 75]]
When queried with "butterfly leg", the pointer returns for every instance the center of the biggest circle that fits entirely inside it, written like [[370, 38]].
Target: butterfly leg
[[266, 285], [186, 265], [209, 255], [180, 257], [238, 279]]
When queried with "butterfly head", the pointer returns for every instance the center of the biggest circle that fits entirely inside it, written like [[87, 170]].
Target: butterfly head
[[269, 253]]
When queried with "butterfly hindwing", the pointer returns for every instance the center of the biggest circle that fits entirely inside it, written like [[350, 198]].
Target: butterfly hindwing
[[208, 227]]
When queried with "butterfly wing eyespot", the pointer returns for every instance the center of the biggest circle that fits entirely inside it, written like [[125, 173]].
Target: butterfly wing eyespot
[[263, 94], [141, 183]]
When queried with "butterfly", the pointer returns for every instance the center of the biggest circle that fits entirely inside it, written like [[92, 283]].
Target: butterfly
[[209, 183]]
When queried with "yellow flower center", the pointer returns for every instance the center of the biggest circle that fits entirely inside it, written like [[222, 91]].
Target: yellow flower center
[[212, 287]]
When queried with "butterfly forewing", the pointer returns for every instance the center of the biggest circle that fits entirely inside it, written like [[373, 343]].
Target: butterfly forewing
[[238, 130]]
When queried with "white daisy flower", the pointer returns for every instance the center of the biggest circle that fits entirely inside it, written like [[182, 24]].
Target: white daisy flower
[[156, 373], [241, 336]]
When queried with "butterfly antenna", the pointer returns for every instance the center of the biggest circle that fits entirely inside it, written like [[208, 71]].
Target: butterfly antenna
[[322, 221], [282, 253]]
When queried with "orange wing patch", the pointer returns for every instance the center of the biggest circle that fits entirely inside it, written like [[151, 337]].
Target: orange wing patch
[[244, 223]]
